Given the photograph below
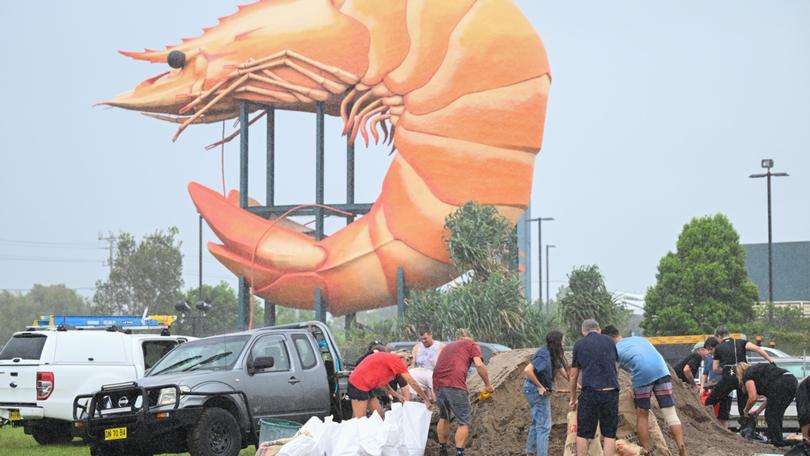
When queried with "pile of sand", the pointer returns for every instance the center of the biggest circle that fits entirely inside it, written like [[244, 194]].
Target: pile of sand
[[500, 424]]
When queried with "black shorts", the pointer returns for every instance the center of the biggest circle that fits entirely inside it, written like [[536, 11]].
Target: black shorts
[[357, 394], [454, 402], [597, 407], [803, 402]]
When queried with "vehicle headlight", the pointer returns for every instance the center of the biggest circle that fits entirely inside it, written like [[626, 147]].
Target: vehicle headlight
[[168, 396]]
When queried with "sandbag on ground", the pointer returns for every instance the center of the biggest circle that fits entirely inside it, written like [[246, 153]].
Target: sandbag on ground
[[594, 449], [403, 432], [627, 426]]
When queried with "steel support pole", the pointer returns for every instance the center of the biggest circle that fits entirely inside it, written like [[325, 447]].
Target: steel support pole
[[320, 305], [270, 184], [199, 262], [770, 253], [401, 292], [319, 169], [244, 291], [352, 317]]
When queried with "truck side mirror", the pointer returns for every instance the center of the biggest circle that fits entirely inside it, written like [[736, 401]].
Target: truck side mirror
[[263, 362]]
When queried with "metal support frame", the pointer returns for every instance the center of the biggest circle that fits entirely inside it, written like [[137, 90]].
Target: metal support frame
[[270, 185], [354, 209], [320, 302], [402, 292], [352, 317], [244, 128]]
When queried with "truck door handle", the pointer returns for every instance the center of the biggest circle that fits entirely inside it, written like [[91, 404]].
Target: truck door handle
[[294, 380]]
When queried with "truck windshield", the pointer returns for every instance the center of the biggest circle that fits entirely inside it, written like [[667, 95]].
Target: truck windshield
[[24, 346], [217, 353]]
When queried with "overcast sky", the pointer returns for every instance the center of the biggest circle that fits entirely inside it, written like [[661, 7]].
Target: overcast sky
[[658, 113]]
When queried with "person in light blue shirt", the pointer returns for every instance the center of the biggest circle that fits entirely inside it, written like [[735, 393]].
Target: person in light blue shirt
[[650, 376]]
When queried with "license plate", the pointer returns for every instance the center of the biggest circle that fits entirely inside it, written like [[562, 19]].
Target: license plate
[[14, 415], [115, 433]]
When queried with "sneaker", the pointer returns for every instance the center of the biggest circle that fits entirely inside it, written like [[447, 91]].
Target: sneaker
[[442, 451]]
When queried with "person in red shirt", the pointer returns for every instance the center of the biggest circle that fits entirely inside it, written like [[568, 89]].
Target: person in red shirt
[[376, 371], [450, 384]]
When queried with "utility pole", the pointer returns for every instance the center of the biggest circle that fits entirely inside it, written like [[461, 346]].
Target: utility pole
[[110, 239], [767, 163], [548, 287], [540, 221]]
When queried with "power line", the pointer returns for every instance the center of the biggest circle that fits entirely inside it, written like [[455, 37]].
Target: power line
[[47, 259], [30, 243]]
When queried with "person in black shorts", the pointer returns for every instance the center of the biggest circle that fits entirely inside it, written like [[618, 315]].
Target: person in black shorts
[[779, 388], [687, 369], [595, 356], [727, 355]]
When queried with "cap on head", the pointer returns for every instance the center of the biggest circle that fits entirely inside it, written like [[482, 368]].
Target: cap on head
[[589, 325]]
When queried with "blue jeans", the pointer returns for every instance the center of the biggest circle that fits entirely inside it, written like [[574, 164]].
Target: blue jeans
[[539, 430]]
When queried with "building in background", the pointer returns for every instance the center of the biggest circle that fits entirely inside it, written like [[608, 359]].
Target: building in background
[[791, 272]]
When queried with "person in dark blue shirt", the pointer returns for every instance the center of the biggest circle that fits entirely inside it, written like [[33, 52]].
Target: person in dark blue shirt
[[548, 360], [595, 356]]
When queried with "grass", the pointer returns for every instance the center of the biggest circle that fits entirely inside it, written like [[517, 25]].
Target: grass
[[13, 442]]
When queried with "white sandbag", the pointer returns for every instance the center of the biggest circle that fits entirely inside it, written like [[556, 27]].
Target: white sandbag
[[404, 432], [415, 426], [330, 433], [393, 445], [371, 435], [341, 439], [301, 445]]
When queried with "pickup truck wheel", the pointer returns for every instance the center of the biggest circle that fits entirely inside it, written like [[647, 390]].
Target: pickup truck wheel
[[215, 434], [52, 433]]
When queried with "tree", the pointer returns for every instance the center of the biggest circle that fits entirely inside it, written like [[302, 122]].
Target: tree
[[703, 284], [588, 297], [19, 311], [488, 301], [146, 274], [480, 240]]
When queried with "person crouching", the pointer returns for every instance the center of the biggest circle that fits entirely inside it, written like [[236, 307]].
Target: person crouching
[[376, 371]]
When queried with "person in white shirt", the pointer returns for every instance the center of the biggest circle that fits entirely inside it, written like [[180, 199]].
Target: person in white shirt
[[424, 356]]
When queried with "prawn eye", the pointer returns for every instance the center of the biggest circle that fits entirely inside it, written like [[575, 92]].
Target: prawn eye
[[176, 59]]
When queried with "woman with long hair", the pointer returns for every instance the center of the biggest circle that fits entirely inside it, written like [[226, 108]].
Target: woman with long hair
[[779, 388], [546, 362]]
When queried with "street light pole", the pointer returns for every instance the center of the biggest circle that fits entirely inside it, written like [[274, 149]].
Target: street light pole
[[540, 221], [768, 164], [548, 287]]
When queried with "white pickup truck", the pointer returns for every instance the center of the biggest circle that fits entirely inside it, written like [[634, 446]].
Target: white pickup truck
[[43, 370]]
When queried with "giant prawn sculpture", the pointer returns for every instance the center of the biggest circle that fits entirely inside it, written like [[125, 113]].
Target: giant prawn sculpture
[[462, 83]]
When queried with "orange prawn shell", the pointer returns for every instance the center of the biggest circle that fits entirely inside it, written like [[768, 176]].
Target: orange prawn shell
[[464, 83]]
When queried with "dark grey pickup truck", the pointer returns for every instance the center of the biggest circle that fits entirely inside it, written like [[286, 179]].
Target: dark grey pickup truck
[[207, 396]]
